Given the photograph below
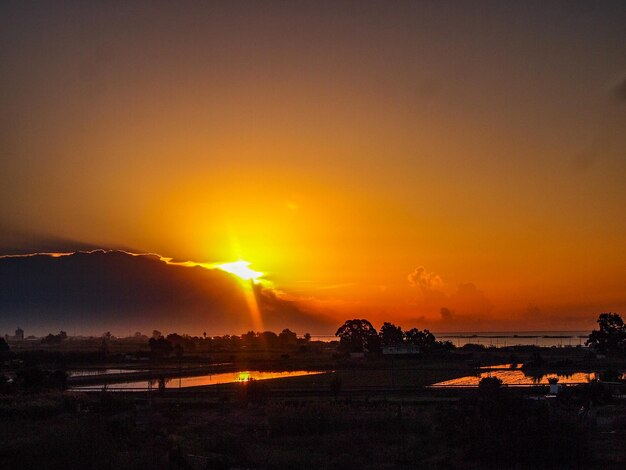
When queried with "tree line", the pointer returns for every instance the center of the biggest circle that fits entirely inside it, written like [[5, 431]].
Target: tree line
[[164, 345], [356, 336]]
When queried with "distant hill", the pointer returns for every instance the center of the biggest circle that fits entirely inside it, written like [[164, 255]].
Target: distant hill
[[92, 292]]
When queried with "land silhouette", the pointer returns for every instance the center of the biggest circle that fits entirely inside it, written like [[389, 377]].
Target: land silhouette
[[370, 390]]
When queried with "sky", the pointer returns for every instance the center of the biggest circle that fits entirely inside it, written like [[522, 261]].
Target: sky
[[453, 165]]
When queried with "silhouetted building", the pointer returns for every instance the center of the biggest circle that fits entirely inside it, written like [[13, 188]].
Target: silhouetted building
[[19, 334], [401, 349]]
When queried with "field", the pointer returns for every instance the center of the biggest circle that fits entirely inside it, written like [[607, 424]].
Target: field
[[360, 413]]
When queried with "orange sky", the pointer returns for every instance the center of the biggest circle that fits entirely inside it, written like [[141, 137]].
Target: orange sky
[[375, 162]]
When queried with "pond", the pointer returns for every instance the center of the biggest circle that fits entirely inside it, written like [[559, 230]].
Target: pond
[[96, 372], [517, 377], [195, 381]]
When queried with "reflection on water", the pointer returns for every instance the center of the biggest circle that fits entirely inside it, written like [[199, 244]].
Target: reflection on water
[[502, 366], [544, 339], [209, 379], [516, 377], [92, 372]]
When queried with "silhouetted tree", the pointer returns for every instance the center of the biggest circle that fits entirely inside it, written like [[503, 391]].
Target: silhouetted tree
[[185, 341], [156, 334], [391, 334], [307, 337], [611, 337], [535, 361], [268, 339], [162, 382], [54, 339], [358, 336], [250, 339], [287, 338], [160, 347], [425, 340]]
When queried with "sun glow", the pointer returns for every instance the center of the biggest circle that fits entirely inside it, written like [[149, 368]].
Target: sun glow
[[241, 269], [244, 377]]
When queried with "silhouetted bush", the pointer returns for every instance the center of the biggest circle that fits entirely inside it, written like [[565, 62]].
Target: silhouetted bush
[[489, 386]]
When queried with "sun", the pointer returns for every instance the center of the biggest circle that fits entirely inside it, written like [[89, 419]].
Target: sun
[[241, 269]]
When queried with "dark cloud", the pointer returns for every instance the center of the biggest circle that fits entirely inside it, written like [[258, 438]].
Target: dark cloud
[[17, 242], [468, 299], [446, 315], [284, 313], [90, 292]]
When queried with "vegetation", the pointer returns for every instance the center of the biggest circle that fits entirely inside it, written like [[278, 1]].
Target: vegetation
[[610, 338], [360, 336], [489, 385], [104, 432], [55, 339], [371, 413], [391, 335], [160, 347]]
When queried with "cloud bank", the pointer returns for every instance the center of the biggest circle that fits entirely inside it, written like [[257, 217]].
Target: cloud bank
[[91, 292]]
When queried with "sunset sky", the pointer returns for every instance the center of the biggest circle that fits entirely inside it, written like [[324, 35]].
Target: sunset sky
[[384, 160]]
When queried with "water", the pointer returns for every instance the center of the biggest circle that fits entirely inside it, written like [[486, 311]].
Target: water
[[96, 372], [500, 339], [195, 381], [517, 377]]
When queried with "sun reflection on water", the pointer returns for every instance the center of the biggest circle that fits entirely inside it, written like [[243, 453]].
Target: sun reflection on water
[[244, 377]]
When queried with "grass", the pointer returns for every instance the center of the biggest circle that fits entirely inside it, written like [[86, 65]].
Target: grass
[[302, 434], [229, 429]]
